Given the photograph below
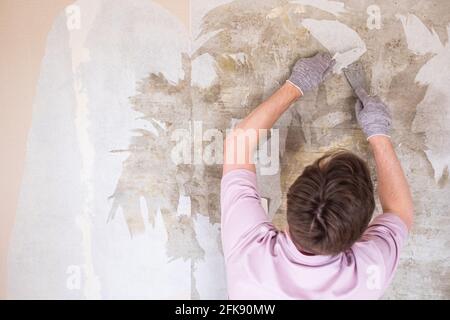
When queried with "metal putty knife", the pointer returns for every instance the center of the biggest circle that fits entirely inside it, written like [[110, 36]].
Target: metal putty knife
[[356, 76]]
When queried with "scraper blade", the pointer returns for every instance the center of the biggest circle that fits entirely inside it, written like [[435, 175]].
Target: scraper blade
[[356, 76]]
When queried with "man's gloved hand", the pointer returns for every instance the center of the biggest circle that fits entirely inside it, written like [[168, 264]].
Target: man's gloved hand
[[372, 114], [308, 73]]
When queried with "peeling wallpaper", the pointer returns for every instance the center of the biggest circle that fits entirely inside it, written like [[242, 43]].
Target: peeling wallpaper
[[104, 210]]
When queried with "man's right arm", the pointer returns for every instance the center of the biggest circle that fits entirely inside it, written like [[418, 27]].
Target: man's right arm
[[393, 189]]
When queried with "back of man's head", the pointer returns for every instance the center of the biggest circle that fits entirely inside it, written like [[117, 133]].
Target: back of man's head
[[330, 204]]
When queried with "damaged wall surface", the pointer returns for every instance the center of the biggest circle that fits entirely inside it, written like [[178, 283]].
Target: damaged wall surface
[[105, 211]]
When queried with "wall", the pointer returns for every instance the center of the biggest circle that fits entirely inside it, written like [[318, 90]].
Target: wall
[[23, 29], [118, 218]]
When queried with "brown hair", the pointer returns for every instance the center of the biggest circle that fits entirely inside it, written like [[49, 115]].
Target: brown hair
[[330, 204]]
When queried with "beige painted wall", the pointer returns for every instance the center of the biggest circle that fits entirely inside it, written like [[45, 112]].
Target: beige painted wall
[[24, 25]]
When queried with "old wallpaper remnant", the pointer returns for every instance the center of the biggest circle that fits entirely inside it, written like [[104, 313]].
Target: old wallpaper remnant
[[435, 107], [119, 218]]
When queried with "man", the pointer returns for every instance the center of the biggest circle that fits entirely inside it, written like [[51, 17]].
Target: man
[[329, 250]]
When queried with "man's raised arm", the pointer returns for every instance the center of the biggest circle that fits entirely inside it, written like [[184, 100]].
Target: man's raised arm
[[375, 120], [240, 145]]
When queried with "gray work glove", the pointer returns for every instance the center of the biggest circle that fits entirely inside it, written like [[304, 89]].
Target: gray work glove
[[308, 73], [372, 114]]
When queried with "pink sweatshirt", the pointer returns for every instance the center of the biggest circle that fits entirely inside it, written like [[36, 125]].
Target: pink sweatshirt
[[263, 263]]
